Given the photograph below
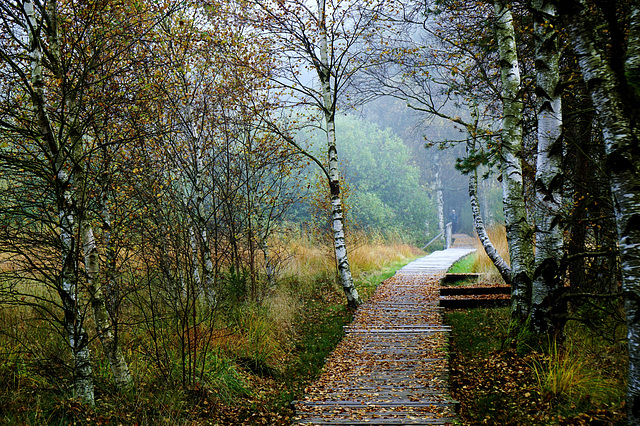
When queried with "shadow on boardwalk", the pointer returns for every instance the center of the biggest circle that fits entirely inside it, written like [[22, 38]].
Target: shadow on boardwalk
[[391, 367]]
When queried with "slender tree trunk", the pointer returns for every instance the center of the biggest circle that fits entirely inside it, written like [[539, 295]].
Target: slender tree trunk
[[616, 104], [353, 299], [519, 233], [71, 204], [498, 261], [104, 329], [207, 265], [195, 265], [194, 197], [68, 291], [337, 223], [547, 307], [202, 222], [67, 287]]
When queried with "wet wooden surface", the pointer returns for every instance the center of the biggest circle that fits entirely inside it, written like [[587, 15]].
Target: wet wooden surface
[[391, 367]]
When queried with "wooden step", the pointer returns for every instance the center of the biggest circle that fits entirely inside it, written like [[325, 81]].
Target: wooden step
[[460, 291]]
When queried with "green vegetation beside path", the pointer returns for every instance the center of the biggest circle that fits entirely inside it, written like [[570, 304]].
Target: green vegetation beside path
[[534, 383], [258, 362]]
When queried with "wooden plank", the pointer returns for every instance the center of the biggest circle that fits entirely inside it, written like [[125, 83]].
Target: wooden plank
[[474, 303], [378, 419], [377, 403], [424, 330], [465, 291], [454, 278], [398, 342]]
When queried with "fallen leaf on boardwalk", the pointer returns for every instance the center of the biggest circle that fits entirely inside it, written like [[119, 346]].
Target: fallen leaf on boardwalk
[[391, 363]]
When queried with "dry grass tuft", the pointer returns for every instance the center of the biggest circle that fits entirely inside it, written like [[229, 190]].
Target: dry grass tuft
[[282, 309], [310, 259], [375, 256], [307, 259], [498, 236], [566, 375]]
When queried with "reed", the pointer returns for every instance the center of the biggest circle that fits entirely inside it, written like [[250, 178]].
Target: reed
[[483, 264], [567, 375], [172, 355]]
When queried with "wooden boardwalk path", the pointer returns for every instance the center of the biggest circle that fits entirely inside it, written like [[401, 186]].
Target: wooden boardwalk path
[[391, 367]]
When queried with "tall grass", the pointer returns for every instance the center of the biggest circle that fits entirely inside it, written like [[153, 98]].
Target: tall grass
[[483, 264], [228, 347], [312, 260], [568, 375]]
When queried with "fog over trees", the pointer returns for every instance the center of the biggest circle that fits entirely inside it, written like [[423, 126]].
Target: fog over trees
[[161, 162]]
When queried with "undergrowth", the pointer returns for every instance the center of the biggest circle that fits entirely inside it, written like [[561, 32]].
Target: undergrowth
[[578, 382], [497, 385], [243, 364]]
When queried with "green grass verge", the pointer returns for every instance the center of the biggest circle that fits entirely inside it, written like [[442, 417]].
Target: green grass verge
[[477, 332], [464, 265], [498, 385]]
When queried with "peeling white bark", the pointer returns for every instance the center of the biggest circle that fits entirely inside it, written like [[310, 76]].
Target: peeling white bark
[[632, 63], [490, 250], [337, 219], [104, 329], [546, 309], [68, 291], [615, 110], [519, 233]]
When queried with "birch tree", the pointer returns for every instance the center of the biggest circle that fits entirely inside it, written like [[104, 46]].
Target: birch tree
[[612, 78], [40, 24], [53, 63], [501, 265], [519, 232], [547, 313], [326, 39], [323, 70], [472, 162]]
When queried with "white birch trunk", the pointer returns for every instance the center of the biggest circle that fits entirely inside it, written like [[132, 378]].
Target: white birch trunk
[[195, 265], [519, 234], [104, 329], [501, 265], [193, 187], [546, 306], [205, 248], [68, 286], [337, 219], [632, 63], [68, 291], [614, 108]]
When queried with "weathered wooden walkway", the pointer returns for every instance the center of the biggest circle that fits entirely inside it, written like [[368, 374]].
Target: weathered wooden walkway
[[391, 367]]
